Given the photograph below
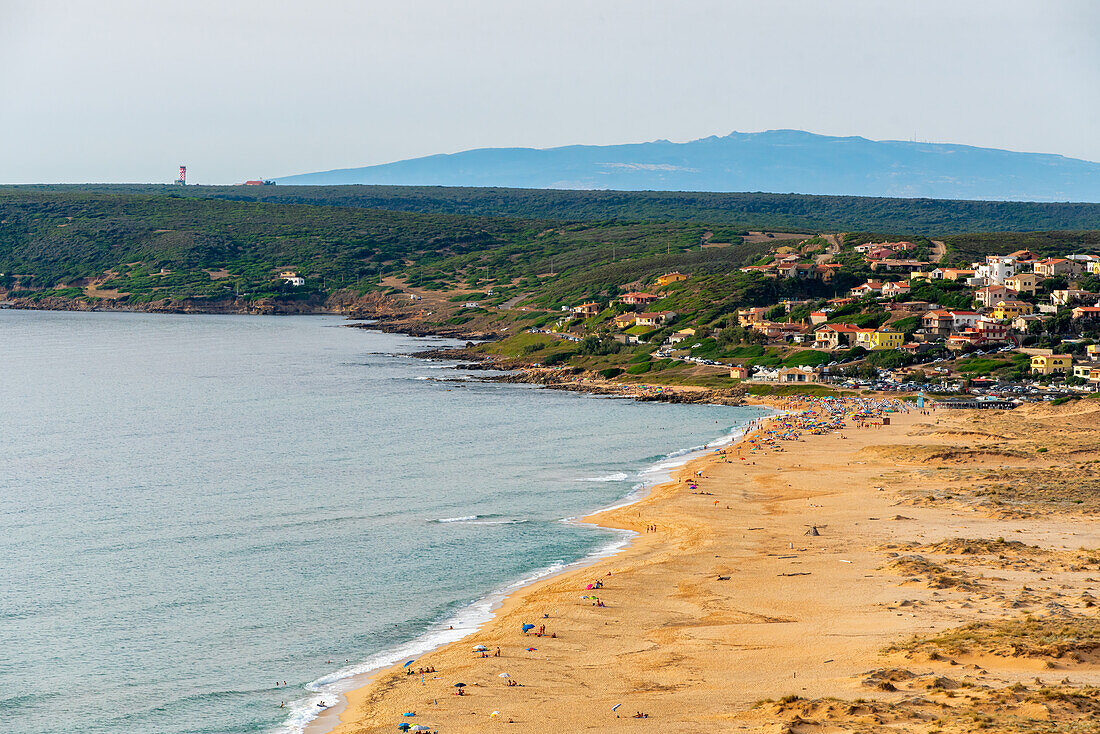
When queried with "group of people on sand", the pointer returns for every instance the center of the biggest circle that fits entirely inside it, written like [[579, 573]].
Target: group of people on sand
[[419, 671]]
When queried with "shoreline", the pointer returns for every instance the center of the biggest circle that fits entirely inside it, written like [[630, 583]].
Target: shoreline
[[333, 720], [777, 587], [485, 608]]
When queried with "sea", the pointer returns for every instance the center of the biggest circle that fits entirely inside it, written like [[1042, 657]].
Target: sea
[[212, 523]]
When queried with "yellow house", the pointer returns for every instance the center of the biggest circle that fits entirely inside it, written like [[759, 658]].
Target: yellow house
[[877, 339], [1011, 309], [1023, 282], [885, 339], [671, 278], [1047, 364]]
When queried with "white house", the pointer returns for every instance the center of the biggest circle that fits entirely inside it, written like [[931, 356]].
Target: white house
[[995, 270]]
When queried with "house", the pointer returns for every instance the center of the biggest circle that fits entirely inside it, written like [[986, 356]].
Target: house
[[1005, 310], [1088, 372], [962, 319], [671, 278], [917, 306], [990, 330], [838, 302], [681, 335], [749, 316], [941, 323], [1023, 282], [996, 269], [874, 340], [290, 277], [834, 336], [870, 288], [779, 330], [790, 304], [635, 298], [1093, 351], [890, 247], [797, 374], [818, 317], [1022, 255], [898, 266], [739, 372], [801, 271], [1090, 313], [624, 321], [894, 288], [1069, 296], [768, 271], [586, 310], [985, 331], [956, 274], [1053, 267], [990, 294], [1048, 364], [659, 318], [825, 272], [937, 323], [1023, 323]]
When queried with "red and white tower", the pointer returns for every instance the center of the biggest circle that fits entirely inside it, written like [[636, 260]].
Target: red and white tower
[[182, 180]]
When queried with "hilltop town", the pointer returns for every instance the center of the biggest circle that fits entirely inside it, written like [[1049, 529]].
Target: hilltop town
[[876, 314]]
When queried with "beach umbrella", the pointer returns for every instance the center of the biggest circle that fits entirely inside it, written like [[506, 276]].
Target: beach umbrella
[[616, 707], [504, 675], [460, 685], [532, 649], [495, 713], [408, 664], [409, 713], [420, 727], [480, 648], [528, 627], [403, 726]]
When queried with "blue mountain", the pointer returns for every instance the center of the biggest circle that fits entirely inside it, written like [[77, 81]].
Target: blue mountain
[[779, 161]]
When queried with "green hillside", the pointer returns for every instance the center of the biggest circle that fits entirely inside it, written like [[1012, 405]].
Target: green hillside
[[741, 211]]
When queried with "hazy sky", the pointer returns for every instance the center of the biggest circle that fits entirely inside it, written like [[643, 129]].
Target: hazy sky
[[127, 91]]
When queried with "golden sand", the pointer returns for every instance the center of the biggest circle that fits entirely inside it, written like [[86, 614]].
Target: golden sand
[[730, 602]]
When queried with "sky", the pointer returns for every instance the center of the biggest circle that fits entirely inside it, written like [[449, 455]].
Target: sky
[[116, 91]]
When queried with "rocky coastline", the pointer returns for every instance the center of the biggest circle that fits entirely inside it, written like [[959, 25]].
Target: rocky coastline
[[377, 313]]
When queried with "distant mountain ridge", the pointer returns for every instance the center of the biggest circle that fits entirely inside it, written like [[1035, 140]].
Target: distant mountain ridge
[[780, 161]]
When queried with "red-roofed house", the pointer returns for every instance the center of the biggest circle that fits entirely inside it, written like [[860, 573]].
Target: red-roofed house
[[870, 288], [834, 336], [1087, 312], [1052, 267], [635, 298]]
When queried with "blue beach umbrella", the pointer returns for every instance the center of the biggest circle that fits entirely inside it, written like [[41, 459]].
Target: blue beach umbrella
[[403, 726], [408, 664], [528, 627]]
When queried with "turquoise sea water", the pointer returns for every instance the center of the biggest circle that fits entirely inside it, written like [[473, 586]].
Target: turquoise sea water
[[193, 508]]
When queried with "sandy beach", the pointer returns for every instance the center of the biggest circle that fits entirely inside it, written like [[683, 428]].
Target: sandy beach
[[813, 584]]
